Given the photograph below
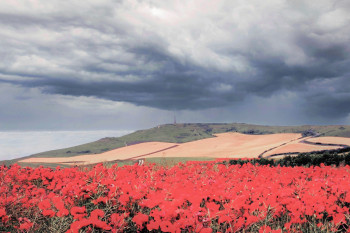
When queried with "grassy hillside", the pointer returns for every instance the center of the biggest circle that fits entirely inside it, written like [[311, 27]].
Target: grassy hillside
[[189, 132]]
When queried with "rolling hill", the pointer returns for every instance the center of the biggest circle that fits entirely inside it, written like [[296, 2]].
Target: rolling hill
[[182, 133]]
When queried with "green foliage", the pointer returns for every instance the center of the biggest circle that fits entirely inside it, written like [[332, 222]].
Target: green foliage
[[303, 159], [172, 161], [309, 132]]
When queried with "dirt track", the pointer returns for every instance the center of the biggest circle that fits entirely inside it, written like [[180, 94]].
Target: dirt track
[[225, 145]]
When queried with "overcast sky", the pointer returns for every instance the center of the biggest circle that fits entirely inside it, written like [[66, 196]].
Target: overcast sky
[[114, 64]]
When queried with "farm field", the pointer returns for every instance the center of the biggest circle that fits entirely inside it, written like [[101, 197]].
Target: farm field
[[332, 140], [191, 197], [123, 153], [223, 145]]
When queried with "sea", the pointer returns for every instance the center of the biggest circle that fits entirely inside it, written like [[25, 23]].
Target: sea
[[17, 144]]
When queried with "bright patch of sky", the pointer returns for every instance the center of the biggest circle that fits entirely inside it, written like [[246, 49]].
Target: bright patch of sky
[[16, 144]]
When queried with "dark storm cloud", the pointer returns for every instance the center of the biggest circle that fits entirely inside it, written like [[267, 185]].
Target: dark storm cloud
[[328, 98], [179, 91], [183, 56], [330, 105]]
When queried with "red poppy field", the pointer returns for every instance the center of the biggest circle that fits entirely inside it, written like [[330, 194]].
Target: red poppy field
[[191, 197]]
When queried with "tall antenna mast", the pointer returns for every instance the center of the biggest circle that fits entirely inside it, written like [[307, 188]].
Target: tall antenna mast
[[174, 119]]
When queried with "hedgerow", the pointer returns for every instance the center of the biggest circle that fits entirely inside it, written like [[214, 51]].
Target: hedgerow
[[328, 158]]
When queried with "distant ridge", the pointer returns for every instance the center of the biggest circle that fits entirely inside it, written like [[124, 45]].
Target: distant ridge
[[180, 133]]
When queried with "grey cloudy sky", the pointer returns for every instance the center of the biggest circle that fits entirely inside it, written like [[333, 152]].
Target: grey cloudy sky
[[114, 64]]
